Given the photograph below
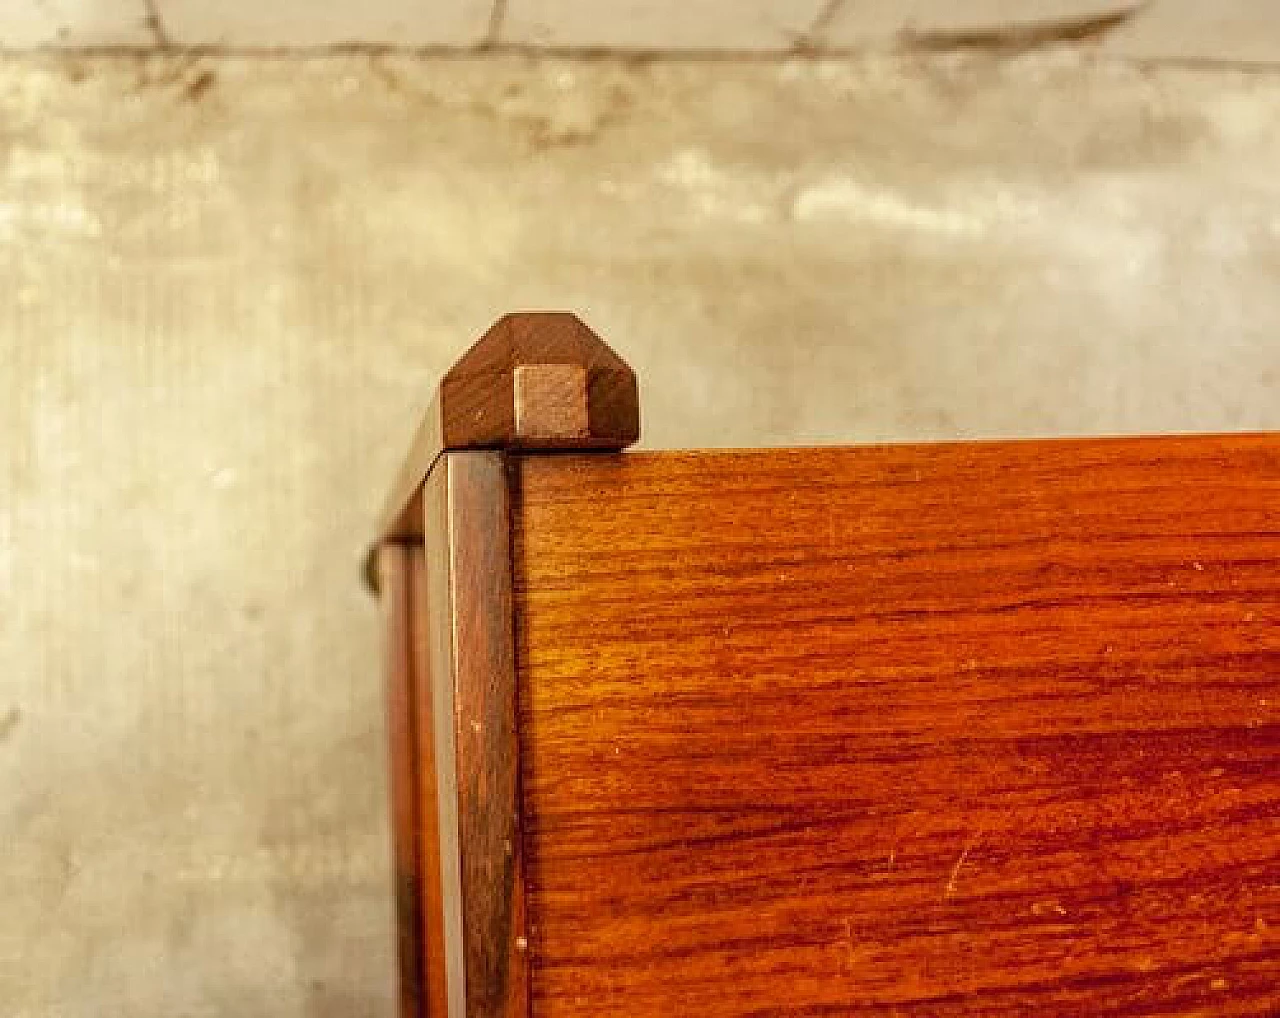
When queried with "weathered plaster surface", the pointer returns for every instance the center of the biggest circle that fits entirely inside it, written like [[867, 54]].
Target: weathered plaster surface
[[230, 285]]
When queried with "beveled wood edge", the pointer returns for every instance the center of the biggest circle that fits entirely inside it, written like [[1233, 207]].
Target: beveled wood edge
[[535, 381], [440, 668], [471, 638]]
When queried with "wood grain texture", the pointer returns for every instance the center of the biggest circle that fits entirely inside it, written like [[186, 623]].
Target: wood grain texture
[[400, 567], [987, 729], [470, 637], [535, 380], [432, 1000]]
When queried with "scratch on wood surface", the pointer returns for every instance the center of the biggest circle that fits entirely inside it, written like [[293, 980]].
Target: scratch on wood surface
[[955, 870]]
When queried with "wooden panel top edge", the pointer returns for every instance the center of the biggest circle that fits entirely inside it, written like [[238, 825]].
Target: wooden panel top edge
[[1160, 445], [1157, 446], [1170, 439]]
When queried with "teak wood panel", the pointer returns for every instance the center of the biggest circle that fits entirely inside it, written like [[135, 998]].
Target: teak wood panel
[[987, 729]]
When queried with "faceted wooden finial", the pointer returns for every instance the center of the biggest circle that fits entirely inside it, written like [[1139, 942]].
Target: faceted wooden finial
[[536, 380], [539, 380]]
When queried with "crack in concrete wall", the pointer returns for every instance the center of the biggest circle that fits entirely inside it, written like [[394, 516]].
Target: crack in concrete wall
[[1245, 31], [155, 24], [1015, 36]]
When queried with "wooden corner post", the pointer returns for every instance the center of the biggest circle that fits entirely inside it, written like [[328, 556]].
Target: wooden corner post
[[536, 381]]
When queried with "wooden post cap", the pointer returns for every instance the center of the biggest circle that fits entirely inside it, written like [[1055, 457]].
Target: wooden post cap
[[537, 380]]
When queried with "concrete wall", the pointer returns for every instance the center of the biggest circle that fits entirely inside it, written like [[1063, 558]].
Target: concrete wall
[[1245, 31], [230, 285]]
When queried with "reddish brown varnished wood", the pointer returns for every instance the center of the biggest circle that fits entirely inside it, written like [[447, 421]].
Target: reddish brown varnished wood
[[983, 729], [432, 992], [535, 380], [475, 753], [399, 566]]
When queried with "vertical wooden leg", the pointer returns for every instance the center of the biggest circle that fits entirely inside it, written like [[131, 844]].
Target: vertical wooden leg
[[472, 666], [434, 1001], [400, 567]]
